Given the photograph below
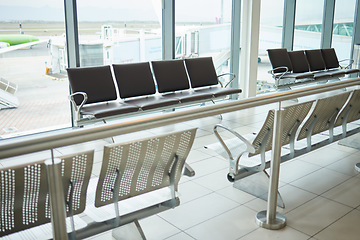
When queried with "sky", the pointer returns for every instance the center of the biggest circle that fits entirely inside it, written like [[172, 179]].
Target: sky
[[150, 10]]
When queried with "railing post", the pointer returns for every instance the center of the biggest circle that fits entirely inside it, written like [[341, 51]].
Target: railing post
[[269, 218], [57, 199]]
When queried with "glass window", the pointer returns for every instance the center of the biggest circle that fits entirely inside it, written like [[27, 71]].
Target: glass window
[[203, 28], [119, 31], [308, 21], [33, 95], [270, 37], [343, 28]]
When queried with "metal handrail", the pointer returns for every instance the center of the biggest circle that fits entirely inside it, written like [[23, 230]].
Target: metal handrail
[[22, 145]]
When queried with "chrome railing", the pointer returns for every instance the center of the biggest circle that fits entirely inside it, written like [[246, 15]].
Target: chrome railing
[[38, 142]]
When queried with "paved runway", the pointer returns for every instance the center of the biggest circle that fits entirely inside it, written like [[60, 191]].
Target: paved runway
[[43, 100]]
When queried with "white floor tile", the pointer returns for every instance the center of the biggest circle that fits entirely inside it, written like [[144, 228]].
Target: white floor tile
[[324, 156], [180, 236], [347, 193], [214, 181], [190, 190], [293, 197], [295, 169], [346, 165], [207, 166], [281, 234], [229, 225], [320, 181], [196, 155], [236, 194], [192, 213], [156, 228], [346, 227], [315, 215]]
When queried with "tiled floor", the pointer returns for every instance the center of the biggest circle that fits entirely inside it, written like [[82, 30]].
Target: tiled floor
[[320, 190]]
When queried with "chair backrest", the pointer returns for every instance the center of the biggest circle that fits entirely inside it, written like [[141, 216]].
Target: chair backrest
[[201, 71], [264, 137], [352, 109], [330, 58], [76, 173], [299, 61], [24, 191], [325, 111], [292, 117], [170, 75], [24, 198], [134, 79], [142, 166], [96, 82], [315, 59], [279, 58]]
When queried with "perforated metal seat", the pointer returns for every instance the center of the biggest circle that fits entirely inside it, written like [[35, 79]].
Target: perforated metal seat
[[25, 195], [134, 172], [233, 149], [142, 166], [350, 113], [323, 117]]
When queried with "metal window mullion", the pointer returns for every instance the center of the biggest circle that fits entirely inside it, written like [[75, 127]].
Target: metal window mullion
[[327, 24], [235, 41], [356, 29], [72, 38], [72, 42], [168, 29], [288, 24]]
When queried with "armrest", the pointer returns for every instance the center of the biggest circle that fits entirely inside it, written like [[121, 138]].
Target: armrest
[[234, 163], [78, 107], [233, 76], [351, 61], [278, 75]]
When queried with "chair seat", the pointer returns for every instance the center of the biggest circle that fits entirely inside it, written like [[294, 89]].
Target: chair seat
[[108, 109], [350, 71], [337, 72], [151, 102], [299, 75], [320, 75], [187, 96], [218, 91]]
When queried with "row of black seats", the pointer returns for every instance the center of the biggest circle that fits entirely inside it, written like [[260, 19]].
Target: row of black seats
[[95, 90], [314, 64]]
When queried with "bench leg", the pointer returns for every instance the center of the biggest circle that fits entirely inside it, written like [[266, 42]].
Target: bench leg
[[257, 185], [129, 231], [188, 171]]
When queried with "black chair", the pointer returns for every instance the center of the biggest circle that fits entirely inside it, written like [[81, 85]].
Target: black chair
[[95, 85], [332, 62], [282, 66], [203, 77], [317, 63], [136, 86], [172, 80], [301, 63]]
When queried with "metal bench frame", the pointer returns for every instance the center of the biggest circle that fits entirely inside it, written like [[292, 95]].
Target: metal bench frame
[[300, 121]]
